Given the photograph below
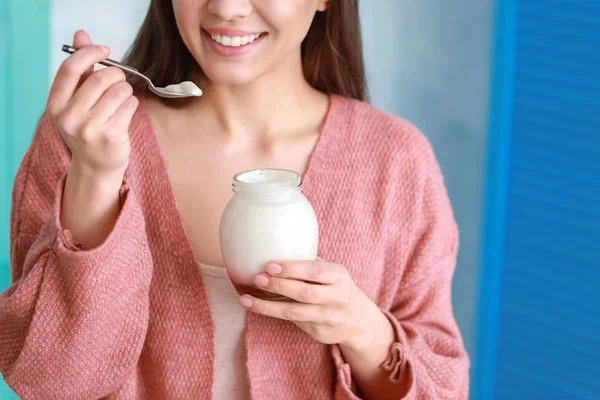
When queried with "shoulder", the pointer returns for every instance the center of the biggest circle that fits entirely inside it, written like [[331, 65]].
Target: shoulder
[[395, 143], [49, 154], [48, 157], [44, 164]]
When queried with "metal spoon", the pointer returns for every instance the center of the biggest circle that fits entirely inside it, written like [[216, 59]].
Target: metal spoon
[[159, 91]]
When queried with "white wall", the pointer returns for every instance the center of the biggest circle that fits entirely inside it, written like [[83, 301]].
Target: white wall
[[113, 23], [428, 61]]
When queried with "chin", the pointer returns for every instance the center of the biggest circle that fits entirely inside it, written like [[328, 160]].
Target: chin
[[231, 76]]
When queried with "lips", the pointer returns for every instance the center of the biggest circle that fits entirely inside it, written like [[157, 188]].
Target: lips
[[235, 41], [232, 42]]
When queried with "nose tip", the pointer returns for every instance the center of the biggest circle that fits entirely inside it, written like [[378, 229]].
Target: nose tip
[[230, 9]]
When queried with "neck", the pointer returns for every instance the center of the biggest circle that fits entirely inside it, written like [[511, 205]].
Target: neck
[[271, 105]]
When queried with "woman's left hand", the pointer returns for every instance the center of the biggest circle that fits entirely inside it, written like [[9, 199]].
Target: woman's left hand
[[326, 303]]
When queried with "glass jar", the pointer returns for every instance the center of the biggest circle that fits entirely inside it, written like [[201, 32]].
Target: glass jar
[[267, 219]]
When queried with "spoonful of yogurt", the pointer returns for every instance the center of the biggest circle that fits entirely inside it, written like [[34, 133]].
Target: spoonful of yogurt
[[180, 90]]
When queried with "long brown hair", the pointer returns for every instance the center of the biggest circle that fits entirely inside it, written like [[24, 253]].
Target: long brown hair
[[332, 56]]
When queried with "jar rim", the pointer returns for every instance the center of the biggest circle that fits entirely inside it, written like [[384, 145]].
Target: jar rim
[[266, 179]]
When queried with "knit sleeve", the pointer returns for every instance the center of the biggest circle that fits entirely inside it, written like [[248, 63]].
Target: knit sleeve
[[428, 359], [73, 323]]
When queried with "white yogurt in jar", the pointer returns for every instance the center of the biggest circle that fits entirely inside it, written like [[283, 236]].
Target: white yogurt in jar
[[267, 219]]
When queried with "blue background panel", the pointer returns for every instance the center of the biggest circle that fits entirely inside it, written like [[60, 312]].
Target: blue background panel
[[548, 342]]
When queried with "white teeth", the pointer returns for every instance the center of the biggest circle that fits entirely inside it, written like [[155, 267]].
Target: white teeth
[[235, 41]]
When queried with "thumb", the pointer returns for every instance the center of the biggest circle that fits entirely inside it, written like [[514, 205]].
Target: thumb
[[81, 39]]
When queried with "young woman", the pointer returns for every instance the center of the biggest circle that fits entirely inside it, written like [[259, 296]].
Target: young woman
[[119, 289]]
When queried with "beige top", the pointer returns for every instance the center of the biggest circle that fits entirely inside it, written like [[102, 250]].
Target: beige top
[[231, 376]]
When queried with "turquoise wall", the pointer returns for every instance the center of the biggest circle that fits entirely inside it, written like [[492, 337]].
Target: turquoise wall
[[24, 83]]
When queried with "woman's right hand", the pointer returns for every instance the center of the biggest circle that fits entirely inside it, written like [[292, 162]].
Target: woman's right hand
[[92, 111]]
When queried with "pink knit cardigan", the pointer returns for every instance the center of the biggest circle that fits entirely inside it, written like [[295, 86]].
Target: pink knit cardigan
[[130, 319]]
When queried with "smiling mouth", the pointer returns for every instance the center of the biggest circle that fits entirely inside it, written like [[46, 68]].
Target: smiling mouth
[[235, 41]]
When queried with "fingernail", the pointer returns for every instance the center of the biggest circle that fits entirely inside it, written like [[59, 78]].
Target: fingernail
[[261, 280], [274, 269], [245, 301], [105, 50]]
